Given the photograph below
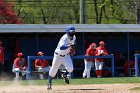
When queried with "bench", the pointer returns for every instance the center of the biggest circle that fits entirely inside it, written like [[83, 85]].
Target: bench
[[35, 74]]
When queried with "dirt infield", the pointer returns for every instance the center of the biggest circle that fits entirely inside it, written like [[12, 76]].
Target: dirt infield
[[94, 88]]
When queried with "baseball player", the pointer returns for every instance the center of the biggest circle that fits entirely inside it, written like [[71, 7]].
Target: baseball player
[[100, 51], [1, 58], [61, 55], [41, 65], [88, 62], [125, 67], [19, 65]]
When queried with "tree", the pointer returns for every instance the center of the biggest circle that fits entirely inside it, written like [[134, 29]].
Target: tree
[[7, 15], [67, 11], [118, 11]]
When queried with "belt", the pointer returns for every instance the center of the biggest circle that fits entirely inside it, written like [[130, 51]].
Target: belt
[[60, 55]]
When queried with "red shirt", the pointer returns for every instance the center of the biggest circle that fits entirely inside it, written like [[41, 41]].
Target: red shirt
[[125, 67], [20, 63], [42, 63], [100, 50], [90, 52], [1, 55]]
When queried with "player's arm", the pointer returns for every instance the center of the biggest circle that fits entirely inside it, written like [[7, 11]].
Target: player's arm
[[87, 54], [25, 65], [63, 47], [105, 52], [36, 63], [63, 44], [16, 63], [72, 51], [2, 53], [97, 53], [47, 63]]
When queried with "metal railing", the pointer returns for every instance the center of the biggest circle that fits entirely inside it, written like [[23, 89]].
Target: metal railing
[[73, 57]]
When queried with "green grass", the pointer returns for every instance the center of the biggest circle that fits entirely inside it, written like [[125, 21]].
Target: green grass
[[115, 80], [136, 88]]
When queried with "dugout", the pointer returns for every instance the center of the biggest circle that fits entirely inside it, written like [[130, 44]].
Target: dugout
[[121, 39]]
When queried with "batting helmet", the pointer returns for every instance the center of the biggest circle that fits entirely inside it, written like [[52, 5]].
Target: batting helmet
[[40, 53], [70, 30], [101, 43], [19, 55]]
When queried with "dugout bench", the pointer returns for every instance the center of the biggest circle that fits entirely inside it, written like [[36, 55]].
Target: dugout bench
[[28, 75]]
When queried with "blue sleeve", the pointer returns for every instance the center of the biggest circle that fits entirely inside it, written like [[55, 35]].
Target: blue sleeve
[[63, 47]]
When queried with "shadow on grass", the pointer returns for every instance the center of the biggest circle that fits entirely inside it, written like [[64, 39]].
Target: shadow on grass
[[75, 90]]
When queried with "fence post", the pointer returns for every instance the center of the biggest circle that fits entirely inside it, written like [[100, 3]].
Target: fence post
[[112, 65], [136, 65], [28, 69]]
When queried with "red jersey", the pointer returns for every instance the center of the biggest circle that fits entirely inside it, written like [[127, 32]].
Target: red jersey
[[90, 52], [100, 50], [1, 55], [125, 67], [42, 63], [20, 63]]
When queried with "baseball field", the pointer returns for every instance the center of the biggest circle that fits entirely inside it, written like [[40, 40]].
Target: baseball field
[[92, 85]]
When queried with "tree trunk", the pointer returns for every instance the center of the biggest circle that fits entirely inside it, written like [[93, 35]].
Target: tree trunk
[[96, 11], [138, 12], [101, 12], [43, 16]]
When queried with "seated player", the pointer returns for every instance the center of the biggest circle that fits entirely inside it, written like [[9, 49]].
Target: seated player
[[19, 66], [41, 65], [132, 67]]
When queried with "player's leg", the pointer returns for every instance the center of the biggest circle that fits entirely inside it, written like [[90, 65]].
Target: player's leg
[[16, 71], [97, 68], [53, 70], [23, 73], [85, 70], [17, 76], [40, 69], [89, 64], [46, 70], [100, 68], [55, 66], [67, 62]]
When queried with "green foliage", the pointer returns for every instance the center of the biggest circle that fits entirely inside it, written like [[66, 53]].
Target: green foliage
[[67, 11]]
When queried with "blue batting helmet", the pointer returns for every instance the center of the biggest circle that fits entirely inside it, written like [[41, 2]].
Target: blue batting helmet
[[70, 29]]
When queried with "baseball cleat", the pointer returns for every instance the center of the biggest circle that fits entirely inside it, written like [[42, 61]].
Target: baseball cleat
[[66, 79], [49, 87]]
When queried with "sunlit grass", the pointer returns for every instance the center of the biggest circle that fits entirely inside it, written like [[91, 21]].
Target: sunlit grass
[[115, 80]]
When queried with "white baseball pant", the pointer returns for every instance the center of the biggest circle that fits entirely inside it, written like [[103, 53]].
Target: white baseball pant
[[43, 69], [17, 71], [57, 61], [87, 69], [99, 65]]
